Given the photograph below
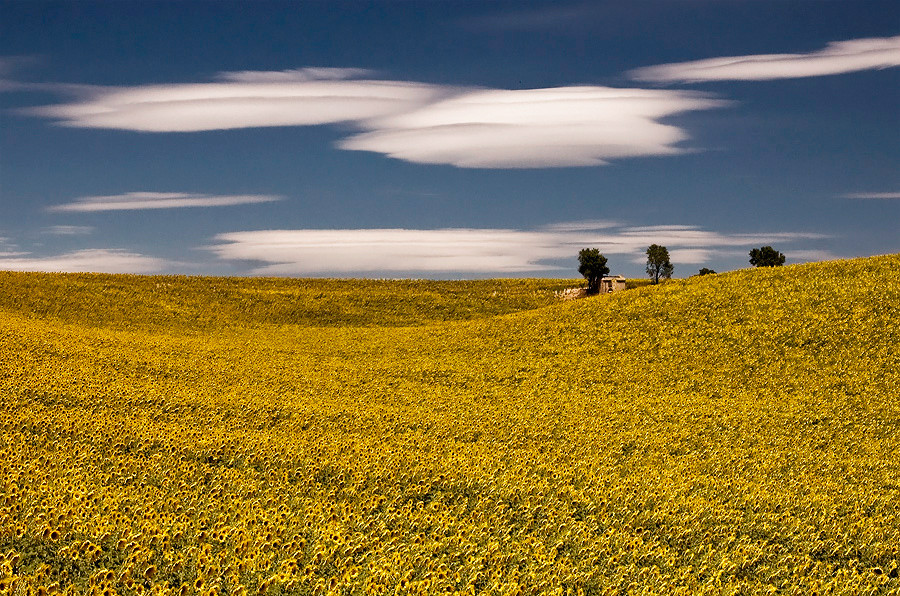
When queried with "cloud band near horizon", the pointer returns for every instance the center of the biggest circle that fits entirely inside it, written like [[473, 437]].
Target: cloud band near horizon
[[466, 250], [90, 260], [456, 252]]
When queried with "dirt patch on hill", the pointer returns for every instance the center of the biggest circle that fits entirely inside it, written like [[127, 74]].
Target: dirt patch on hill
[[572, 293]]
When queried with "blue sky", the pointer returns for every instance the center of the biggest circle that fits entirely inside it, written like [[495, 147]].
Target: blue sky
[[445, 139]]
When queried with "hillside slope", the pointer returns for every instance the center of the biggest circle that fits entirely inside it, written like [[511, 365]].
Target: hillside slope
[[178, 303], [737, 433]]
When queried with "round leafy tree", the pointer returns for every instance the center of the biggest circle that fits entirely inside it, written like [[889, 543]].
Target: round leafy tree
[[592, 265], [766, 257], [658, 264]]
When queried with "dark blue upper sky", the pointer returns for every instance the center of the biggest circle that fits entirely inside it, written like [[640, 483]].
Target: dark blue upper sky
[[445, 139]]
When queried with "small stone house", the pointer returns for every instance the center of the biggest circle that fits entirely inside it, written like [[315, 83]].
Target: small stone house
[[615, 283]]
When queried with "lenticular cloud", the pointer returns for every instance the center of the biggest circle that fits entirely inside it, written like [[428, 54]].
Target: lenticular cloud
[[836, 58], [132, 201], [416, 122], [565, 126], [244, 100], [288, 252]]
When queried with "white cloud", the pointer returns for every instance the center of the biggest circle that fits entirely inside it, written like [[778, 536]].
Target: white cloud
[[417, 122], [343, 251], [243, 100], [687, 255], [565, 126], [159, 200], [478, 251], [9, 249], [872, 195], [68, 230], [836, 58], [293, 75], [88, 260], [693, 237], [581, 226]]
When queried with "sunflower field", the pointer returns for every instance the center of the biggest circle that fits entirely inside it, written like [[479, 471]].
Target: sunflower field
[[726, 434]]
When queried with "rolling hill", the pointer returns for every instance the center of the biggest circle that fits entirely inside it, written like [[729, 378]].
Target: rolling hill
[[729, 434]]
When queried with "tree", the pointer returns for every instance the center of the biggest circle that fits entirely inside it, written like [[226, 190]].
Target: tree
[[705, 271], [658, 264], [592, 265], [766, 257]]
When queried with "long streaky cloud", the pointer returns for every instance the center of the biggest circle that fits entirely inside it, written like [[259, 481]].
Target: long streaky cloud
[[158, 200], [94, 260], [343, 251], [836, 58], [872, 195], [415, 122], [293, 75], [581, 226], [68, 230], [242, 100], [469, 251]]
